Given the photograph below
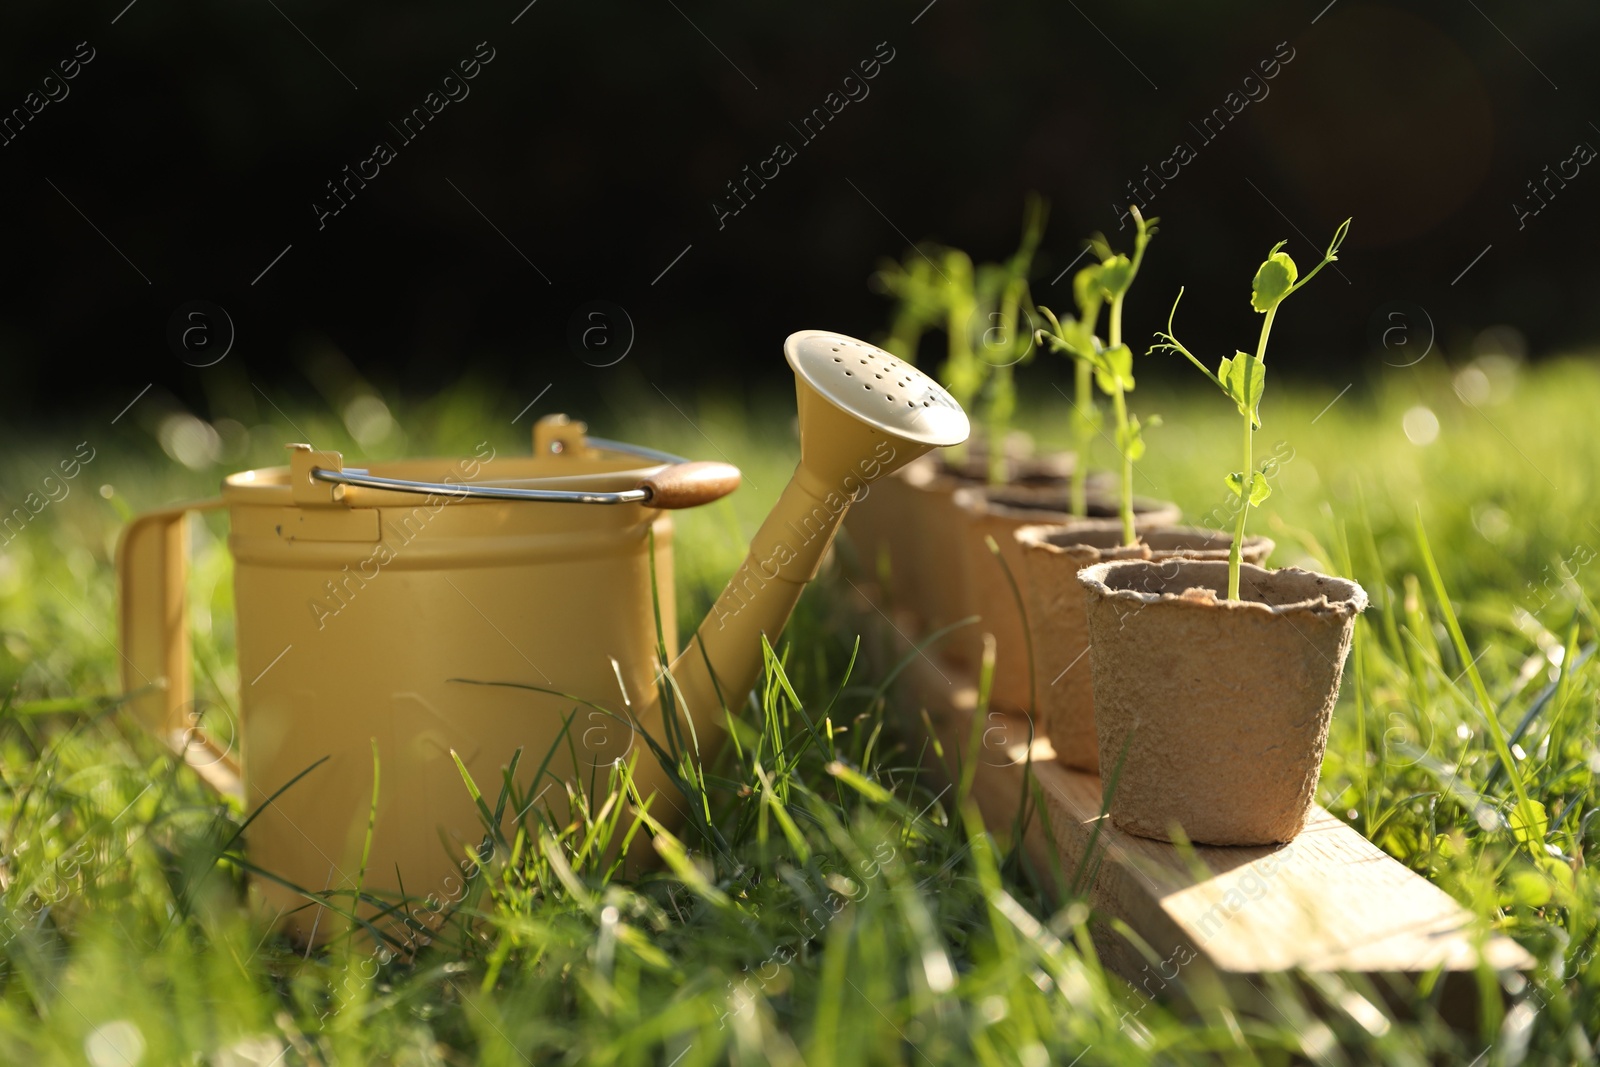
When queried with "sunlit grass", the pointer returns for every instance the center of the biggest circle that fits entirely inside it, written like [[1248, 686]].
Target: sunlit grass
[[842, 908]]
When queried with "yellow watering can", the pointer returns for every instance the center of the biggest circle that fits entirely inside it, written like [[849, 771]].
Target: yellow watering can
[[362, 593]]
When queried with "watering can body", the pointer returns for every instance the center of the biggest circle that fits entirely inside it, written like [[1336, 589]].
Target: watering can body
[[363, 617], [367, 608]]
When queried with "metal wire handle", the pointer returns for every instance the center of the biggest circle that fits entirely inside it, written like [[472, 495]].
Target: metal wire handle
[[359, 477]]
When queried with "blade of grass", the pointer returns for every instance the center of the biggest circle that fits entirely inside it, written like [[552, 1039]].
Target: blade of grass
[[1531, 831]]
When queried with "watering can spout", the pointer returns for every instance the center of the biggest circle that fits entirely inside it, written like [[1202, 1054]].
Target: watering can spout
[[864, 414]]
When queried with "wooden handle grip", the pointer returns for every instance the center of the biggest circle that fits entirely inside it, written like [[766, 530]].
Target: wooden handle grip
[[688, 485]]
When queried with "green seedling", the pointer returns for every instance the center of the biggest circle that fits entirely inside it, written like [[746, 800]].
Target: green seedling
[[980, 309], [1243, 377], [1109, 364], [1087, 418], [1003, 296], [963, 372], [917, 287]]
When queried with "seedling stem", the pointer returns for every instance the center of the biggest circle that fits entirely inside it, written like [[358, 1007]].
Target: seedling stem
[[1243, 378]]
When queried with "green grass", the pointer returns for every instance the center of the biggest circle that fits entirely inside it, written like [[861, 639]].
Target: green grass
[[845, 910]]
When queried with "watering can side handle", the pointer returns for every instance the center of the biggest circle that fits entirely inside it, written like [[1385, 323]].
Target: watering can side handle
[[688, 485], [681, 485], [153, 617]]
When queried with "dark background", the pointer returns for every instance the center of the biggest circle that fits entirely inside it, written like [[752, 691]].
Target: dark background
[[198, 138]]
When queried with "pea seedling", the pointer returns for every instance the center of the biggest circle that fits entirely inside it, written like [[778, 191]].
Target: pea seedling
[[1110, 364], [1243, 377], [963, 372], [1087, 417], [1002, 289], [979, 308], [918, 291]]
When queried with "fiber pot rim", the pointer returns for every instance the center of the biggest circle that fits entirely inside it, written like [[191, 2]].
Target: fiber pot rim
[[1022, 502], [1210, 577], [1058, 539], [1040, 470], [1036, 471]]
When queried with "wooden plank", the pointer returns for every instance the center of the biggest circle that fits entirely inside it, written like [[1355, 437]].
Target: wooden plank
[[1328, 902]]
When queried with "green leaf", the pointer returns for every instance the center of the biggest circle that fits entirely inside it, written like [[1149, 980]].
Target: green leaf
[[1231, 374], [1529, 823], [1558, 873], [1114, 369], [1530, 888], [1274, 279], [1130, 442], [1086, 289], [1116, 275], [1259, 489], [1077, 341]]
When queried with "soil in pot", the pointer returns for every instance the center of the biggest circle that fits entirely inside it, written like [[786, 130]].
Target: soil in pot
[[999, 512], [1217, 709], [1058, 623]]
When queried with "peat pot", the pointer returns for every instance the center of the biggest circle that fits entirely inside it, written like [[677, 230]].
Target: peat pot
[[907, 532], [1058, 623], [1216, 709], [369, 599], [999, 512]]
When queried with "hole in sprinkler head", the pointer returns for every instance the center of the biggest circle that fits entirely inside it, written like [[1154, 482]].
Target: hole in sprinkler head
[[868, 388], [849, 374]]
